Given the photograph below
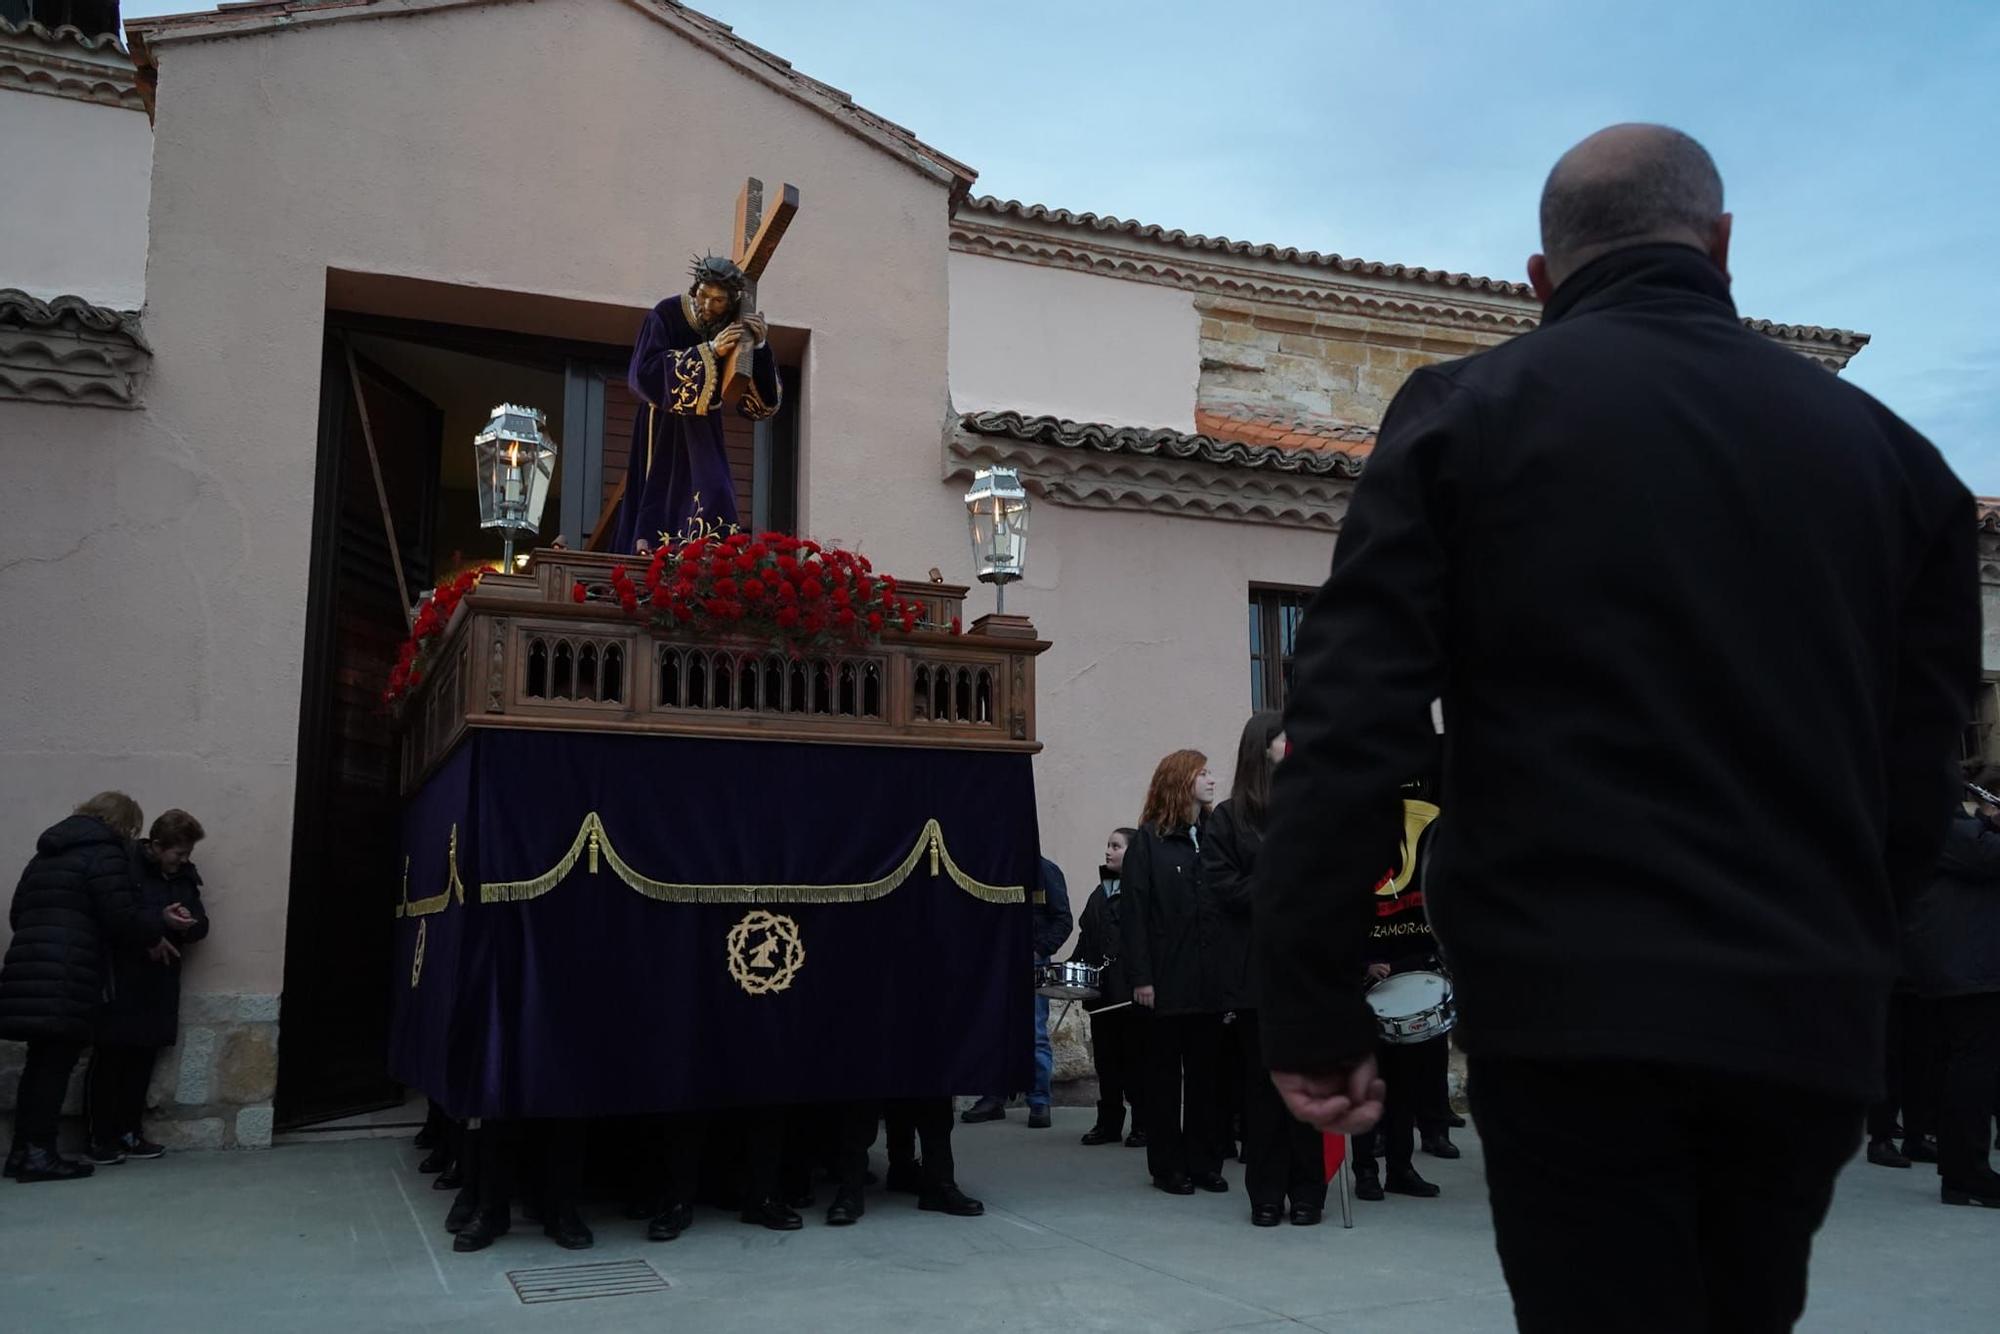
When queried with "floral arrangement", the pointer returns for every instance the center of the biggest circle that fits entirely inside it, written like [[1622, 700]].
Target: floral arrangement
[[413, 659], [791, 590]]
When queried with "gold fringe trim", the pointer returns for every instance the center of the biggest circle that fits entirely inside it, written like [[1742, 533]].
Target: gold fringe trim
[[594, 843], [454, 887]]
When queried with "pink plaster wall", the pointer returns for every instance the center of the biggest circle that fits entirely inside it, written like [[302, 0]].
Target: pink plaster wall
[[577, 149]]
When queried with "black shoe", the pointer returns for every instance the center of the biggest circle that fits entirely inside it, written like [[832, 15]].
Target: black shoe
[[568, 1230], [906, 1179], [1405, 1181], [138, 1146], [1983, 1190], [1099, 1135], [41, 1163], [949, 1199], [671, 1222], [452, 1178], [1266, 1215], [1454, 1120], [1038, 1118], [1213, 1182], [984, 1110], [485, 1227], [1367, 1186], [105, 1155], [1136, 1140], [846, 1209], [1305, 1215], [1174, 1185], [462, 1210], [435, 1161], [1440, 1145], [774, 1214], [1920, 1149], [1882, 1153]]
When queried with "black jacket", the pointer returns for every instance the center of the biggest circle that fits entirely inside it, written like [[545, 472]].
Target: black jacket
[[1168, 923], [1052, 911], [1229, 847], [1951, 931], [1100, 941], [77, 898], [145, 1003], [1705, 620]]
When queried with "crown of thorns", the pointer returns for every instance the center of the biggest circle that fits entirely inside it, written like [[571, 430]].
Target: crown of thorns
[[716, 270]]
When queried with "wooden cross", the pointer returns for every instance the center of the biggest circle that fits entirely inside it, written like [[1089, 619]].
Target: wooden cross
[[752, 243]]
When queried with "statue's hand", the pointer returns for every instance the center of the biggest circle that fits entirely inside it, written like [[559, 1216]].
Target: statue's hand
[[726, 341], [758, 329]]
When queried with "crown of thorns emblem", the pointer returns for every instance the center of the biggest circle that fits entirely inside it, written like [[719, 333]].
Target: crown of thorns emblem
[[765, 952]]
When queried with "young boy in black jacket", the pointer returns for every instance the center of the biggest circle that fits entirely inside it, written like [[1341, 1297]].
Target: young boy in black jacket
[[1115, 1037]]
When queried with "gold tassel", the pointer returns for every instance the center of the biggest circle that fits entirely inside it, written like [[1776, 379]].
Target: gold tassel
[[594, 837]]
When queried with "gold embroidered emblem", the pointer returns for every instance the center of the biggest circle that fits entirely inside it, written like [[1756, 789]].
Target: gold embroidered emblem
[[765, 952], [417, 959]]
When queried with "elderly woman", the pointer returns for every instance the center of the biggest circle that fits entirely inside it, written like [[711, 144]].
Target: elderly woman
[[77, 901]]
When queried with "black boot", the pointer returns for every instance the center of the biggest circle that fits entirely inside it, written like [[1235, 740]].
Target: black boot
[[567, 1229], [1367, 1180], [1882, 1153], [1405, 1181], [676, 1219], [846, 1209], [1920, 1149], [774, 1214], [1440, 1145], [1982, 1188], [450, 1178], [40, 1162], [486, 1227], [1098, 1134], [949, 1199]]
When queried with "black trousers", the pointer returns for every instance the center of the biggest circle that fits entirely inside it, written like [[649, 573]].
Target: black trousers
[[1971, 1030], [754, 1179], [115, 1090], [1416, 1074], [1183, 1065], [1117, 1047], [39, 1098], [927, 1120], [1282, 1157], [1913, 1070], [1617, 1206]]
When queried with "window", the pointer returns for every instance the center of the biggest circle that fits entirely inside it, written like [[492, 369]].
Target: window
[[1274, 629]]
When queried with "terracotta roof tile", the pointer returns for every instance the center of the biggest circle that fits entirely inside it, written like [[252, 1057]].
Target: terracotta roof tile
[[1228, 450], [1283, 428]]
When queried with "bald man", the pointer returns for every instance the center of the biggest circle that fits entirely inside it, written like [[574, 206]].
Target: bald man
[[1705, 620]]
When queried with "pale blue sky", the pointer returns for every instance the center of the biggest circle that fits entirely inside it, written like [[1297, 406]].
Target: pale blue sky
[[1851, 136]]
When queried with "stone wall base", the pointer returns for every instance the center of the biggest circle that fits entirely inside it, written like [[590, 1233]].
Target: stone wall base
[[211, 1091]]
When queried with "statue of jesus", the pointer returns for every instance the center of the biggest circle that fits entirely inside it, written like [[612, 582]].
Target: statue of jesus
[[678, 473]]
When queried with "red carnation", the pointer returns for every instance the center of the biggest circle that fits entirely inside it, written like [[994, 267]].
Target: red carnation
[[788, 617], [629, 601], [577, 592], [811, 589], [744, 562], [683, 612], [661, 597], [787, 592], [955, 627], [757, 551], [841, 597], [753, 590], [875, 621], [814, 621], [725, 588], [844, 617]]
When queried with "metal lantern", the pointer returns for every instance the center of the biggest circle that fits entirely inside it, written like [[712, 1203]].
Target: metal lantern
[[515, 457], [997, 509]]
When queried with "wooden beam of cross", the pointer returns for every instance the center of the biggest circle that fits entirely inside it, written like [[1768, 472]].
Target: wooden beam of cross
[[752, 243]]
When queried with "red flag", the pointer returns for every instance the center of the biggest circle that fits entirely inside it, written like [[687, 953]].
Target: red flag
[[1334, 1151]]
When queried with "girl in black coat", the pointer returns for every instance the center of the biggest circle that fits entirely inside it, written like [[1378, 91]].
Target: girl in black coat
[[1116, 1033], [77, 897], [1282, 1156], [1165, 926], [142, 1013]]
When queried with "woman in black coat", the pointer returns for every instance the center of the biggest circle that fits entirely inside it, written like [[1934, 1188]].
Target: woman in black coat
[[76, 898], [143, 1011], [1165, 927], [1282, 1156]]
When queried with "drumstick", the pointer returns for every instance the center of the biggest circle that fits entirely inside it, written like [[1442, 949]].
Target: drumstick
[[1107, 1009]]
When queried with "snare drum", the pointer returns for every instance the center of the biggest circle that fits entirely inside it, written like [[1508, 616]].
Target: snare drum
[[1067, 981], [1413, 1007]]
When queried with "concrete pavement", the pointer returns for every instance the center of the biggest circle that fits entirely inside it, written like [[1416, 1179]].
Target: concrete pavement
[[347, 1237]]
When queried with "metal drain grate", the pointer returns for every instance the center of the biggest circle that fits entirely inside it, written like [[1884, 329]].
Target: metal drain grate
[[570, 1283]]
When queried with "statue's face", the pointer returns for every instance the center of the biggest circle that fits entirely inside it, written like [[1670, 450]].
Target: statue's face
[[712, 306]]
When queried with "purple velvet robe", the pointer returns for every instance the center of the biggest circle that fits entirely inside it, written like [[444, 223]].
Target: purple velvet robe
[[679, 468]]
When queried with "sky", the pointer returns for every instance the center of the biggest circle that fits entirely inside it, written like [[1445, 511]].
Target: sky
[[1849, 134]]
